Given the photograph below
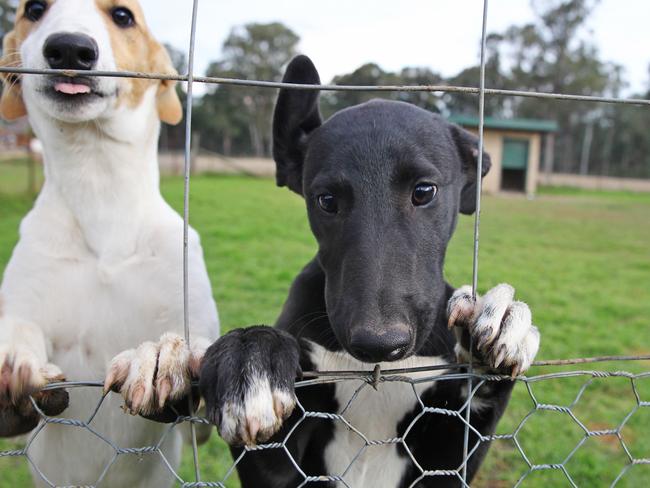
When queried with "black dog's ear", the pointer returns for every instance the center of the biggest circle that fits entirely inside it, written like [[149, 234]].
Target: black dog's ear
[[467, 144], [296, 115]]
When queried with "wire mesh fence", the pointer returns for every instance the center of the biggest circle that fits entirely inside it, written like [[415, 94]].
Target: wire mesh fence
[[414, 378], [570, 417]]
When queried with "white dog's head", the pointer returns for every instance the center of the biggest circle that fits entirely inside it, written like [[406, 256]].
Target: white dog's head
[[83, 35]]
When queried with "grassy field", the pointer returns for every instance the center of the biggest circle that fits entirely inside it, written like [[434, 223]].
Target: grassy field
[[580, 259]]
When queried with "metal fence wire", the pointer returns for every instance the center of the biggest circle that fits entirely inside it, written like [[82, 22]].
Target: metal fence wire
[[639, 407], [570, 414]]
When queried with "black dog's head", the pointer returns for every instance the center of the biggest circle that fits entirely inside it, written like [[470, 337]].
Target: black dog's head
[[384, 182]]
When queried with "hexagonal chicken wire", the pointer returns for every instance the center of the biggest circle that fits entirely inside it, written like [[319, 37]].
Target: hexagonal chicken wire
[[557, 467]]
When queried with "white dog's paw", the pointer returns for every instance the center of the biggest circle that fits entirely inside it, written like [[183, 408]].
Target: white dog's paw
[[247, 381], [501, 329], [22, 375], [156, 373]]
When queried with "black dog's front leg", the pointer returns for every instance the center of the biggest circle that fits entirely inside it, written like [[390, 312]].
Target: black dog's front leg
[[503, 338], [437, 440], [504, 341], [247, 381]]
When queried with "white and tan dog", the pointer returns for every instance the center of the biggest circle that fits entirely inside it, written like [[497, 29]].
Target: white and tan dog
[[98, 268]]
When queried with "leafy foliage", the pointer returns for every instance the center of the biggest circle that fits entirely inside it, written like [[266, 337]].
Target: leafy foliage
[[227, 114], [7, 16], [551, 54]]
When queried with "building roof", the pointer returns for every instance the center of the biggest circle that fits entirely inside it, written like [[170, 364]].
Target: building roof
[[527, 125]]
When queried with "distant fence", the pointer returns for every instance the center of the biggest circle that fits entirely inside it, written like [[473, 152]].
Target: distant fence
[[172, 163], [588, 182]]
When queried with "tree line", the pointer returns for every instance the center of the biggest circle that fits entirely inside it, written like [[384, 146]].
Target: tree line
[[546, 55]]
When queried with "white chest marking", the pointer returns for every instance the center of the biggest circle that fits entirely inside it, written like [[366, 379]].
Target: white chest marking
[[376, 414]]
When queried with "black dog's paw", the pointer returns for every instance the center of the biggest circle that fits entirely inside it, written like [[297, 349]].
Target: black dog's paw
[[504, 338], [21, 380], [247, 381]]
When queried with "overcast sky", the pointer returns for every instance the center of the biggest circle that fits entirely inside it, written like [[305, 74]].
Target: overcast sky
[[340, 35]]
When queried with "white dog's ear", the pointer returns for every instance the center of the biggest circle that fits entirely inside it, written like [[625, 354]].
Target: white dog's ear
[[169, 106], [11, 102]]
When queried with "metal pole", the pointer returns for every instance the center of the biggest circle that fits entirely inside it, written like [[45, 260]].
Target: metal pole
[[477, 223], [186, 219]]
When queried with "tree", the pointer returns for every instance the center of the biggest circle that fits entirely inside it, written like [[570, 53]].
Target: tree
[[367, 74], [221, 118], [495, 77], [622, 142], [178, 58], [373, 75], [256, 52], [550, 55], [420, 76], [7, 17]]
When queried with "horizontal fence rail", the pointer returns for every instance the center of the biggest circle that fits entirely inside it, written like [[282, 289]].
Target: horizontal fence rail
[[211, 80]]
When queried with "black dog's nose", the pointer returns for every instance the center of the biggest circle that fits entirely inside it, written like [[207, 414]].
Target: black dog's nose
[[70, 51], [371, 347]]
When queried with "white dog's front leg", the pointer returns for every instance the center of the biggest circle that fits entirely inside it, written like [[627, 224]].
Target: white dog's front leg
[[156, 373], [24, 371]]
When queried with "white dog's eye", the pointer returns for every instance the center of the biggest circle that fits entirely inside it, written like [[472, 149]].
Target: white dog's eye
[[35, 9], [122, 17]]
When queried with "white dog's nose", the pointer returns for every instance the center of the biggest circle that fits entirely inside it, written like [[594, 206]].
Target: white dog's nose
[[66, 50]]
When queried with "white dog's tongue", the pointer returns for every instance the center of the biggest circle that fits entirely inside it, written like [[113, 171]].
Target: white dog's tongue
[[71, 88]]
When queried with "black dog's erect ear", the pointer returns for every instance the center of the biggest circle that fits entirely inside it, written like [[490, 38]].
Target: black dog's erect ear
[[296, 115], [467, 144]]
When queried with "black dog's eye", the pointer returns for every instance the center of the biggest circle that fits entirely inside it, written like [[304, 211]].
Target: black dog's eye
[[122, 17], [327, 202], [35, 9], [423, 194]]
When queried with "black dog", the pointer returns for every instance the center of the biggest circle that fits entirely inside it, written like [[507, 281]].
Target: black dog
[[384, 182]]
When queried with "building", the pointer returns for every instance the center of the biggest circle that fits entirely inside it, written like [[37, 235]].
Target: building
[[515, 147], [14, 136]]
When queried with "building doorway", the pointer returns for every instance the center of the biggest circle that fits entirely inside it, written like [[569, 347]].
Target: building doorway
[[514, 164]]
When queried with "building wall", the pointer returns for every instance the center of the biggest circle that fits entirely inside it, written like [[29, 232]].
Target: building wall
[[493, 145], [532, 176]]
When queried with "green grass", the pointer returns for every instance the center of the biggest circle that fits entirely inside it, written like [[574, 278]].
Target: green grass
[[580, 259]]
